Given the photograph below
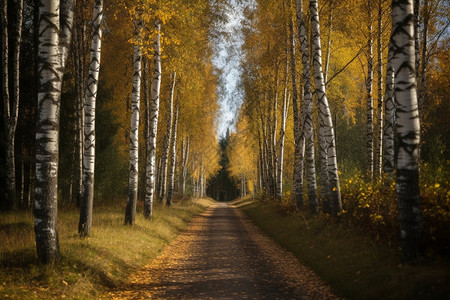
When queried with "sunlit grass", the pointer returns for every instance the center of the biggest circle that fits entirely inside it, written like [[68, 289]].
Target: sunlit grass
[[88, 266], [356, 265]]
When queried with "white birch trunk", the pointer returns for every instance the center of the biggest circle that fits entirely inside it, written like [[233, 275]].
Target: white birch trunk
[[326, 129], [202, 180], [416, 38], [79, 53], [261, 166], [165, 154], [274, 137], [389, 108], [153, 123], [408, 128], [47, 133], [297, 190], [173, 160], [379, 144], [66, 24], [328, 54], [284, 114], [130, 213], [423, 73], [22, 179], [185, 166], [30, 184], [87, 198], [369, 104], [11, 102], [307, 111]]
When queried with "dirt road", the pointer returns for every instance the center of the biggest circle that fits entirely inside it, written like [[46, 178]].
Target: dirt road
[[222, 255]]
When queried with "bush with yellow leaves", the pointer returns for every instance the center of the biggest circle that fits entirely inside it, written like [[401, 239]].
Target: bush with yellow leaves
[[372, 206]]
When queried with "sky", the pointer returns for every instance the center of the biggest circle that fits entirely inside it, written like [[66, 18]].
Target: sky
[[227, 59]]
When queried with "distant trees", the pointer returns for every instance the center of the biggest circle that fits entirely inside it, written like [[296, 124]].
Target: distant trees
[[273, 146], [345, 99], [77, 114]]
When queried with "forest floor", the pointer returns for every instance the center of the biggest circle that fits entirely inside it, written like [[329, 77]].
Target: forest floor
[[222, 255], [219, 254], [354, 263], [89, 267]]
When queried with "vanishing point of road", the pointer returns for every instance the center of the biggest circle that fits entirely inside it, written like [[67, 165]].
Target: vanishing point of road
[[222, 255]]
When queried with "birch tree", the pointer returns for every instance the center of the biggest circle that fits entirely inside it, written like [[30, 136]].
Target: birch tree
[[369, 89], [79, 54], [274, 124], [87, 198], [422, 92], [11, 101], [173, 158], [153, 122], [307, 110], [184, 164], [51, 63], [326, 129], [165, 154], [389, 108], [378, 157], [284, 114], [297, 193], [130, 213], [408, 127]]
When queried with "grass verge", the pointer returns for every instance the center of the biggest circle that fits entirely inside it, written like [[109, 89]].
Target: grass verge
[[89, 266], [356, 266]]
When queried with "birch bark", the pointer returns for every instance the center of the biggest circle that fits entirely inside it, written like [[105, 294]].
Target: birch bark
[[130, 213], [297, 191], [166, 149], [369, 88], [173, 159], [79, 54], [274, 157], [307, 111], [408, 128], [378, 157], [423, 74], [389, 108], [153, 123], [326, 129], [185, 160], [11, 102], [51, 65], [87, 195], [284, 114]]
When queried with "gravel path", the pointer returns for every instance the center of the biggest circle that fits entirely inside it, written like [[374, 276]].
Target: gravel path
[[222, 255]]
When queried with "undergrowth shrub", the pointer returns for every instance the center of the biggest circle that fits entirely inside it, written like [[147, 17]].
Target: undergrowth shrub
[[371, 206], [435, 198]]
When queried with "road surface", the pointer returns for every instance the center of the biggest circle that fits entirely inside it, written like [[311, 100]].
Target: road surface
[[222, 255]]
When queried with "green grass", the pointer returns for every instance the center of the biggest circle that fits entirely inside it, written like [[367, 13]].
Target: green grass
[[356, 266], [89, 266]]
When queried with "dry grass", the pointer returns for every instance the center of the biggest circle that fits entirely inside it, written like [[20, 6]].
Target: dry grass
[[89, 266]]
